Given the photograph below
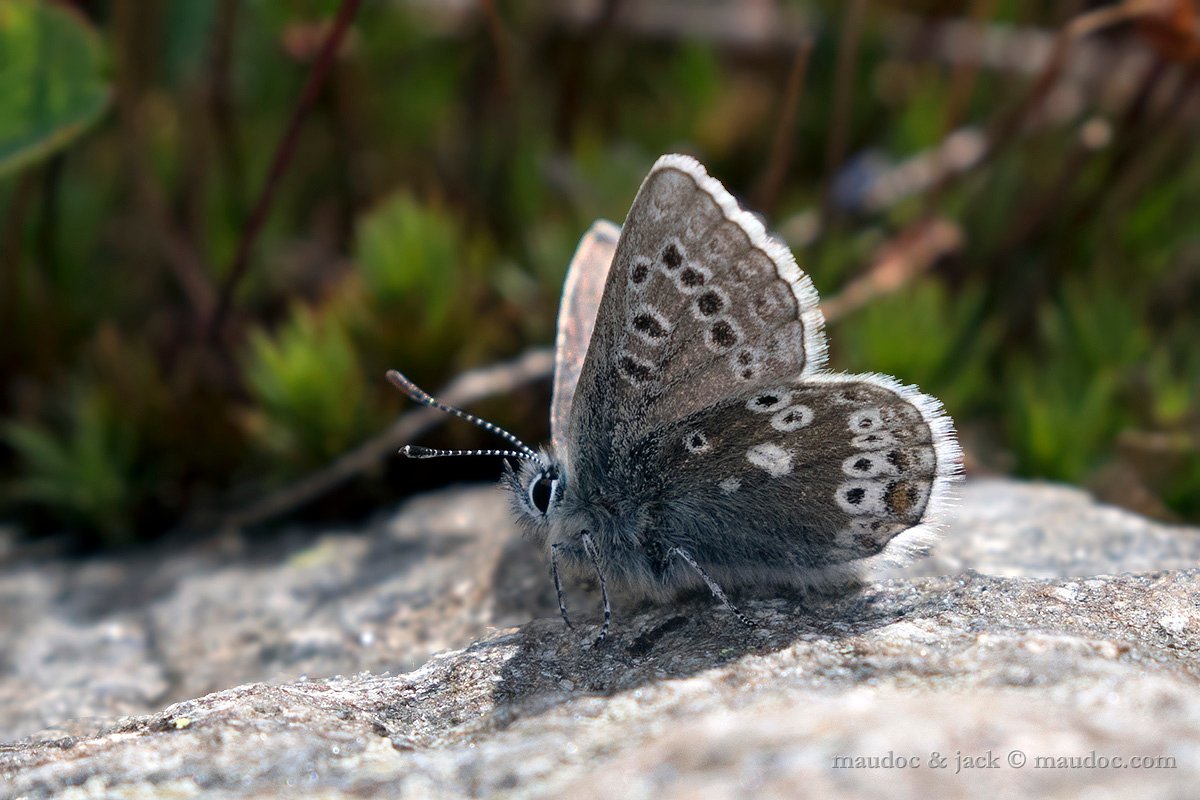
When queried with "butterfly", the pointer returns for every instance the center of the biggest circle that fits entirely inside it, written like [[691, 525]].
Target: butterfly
[[696, 438]]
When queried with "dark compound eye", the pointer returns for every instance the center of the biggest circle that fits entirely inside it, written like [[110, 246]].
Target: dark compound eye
[[541, 492]]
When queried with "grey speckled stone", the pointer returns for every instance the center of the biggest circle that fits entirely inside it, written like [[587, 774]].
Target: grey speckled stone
[[682, 702], [123, 635], [1048, 531]]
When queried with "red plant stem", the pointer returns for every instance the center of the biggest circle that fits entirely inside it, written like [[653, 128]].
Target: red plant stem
[[283, 157]]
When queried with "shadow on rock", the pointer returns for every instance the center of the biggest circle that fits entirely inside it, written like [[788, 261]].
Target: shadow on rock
[[653, 643]]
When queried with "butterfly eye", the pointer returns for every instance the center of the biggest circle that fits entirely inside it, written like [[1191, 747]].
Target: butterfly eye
[[542, 491]]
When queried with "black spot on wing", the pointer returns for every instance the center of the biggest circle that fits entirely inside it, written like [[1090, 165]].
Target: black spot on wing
[[722, 334], [709, 303], [671, 257], [635, 370], [650, 326], [691, 278]]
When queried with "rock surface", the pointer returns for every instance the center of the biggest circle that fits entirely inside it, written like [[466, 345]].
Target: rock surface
[[1044, 626]]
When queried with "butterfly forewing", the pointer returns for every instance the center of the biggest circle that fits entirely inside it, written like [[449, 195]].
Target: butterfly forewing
[[582, 291], [699, 302], [806, 477]]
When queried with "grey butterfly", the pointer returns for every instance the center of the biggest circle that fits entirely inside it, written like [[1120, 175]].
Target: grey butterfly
[[696, 440]]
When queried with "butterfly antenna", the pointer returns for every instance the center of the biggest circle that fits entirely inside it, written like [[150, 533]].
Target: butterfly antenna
[[413, 451], [419, 395]]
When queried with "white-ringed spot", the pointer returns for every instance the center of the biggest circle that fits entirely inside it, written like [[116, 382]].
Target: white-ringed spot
[[635, 370], [709, 303], [696, 442], [746, 364], [692, 279], [722, 334], [792, 418], [672, 255], [770, 401], [869, 465], [861, 497], [865, 420], [639, 272], [650, 325]]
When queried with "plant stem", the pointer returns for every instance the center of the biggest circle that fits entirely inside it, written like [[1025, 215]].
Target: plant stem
[[281, 161]]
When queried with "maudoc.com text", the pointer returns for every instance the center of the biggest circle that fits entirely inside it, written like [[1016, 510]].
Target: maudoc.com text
[[959, 762]]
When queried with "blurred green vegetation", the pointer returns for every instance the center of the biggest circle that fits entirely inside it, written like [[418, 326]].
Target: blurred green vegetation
[[453, 157]]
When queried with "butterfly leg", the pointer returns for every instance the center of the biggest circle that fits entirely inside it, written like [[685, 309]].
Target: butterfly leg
[[562, 603], [594, 555], [713, 586]]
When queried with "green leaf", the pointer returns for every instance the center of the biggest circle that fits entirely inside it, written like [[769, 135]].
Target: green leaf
[[51, 87]]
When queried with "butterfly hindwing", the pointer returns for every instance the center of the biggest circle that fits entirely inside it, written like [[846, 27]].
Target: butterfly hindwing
[[792, 482]]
